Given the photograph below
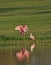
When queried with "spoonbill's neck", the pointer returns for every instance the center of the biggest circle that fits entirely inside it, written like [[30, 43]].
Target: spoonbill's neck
[[23, 51]]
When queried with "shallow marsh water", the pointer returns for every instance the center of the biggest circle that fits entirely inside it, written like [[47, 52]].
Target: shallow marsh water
[[39, 57]]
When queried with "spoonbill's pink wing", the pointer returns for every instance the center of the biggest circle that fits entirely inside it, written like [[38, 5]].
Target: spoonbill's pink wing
[[20, 56], [27, 54], [18, 27], [25, 28]]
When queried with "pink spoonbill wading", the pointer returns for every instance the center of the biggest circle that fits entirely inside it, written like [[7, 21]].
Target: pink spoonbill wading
[[22, 29], [24, 54]]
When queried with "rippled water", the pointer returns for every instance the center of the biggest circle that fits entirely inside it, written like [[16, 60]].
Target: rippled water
[[39, 57]]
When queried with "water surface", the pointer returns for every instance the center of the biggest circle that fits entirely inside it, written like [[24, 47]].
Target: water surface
[[38, 57]]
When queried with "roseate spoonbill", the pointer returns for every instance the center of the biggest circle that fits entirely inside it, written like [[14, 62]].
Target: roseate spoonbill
[[23, 54], [32, 37], [22, 29], [32, 47]]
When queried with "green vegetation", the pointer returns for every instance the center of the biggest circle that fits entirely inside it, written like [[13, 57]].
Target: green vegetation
[[35, 13]]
